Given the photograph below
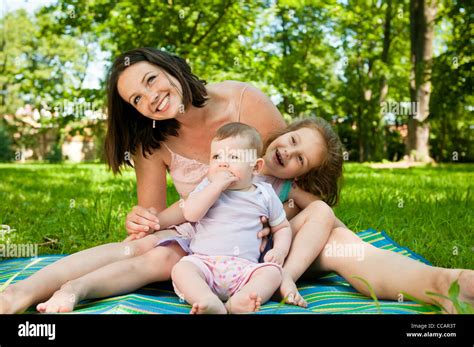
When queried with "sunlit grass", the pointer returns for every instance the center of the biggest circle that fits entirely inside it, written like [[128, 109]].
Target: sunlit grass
[[68, 207]]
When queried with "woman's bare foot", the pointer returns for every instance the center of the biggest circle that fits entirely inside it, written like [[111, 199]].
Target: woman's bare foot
[[244, 303], [63, 300], [289, 291], [209, 306], [13, 301]]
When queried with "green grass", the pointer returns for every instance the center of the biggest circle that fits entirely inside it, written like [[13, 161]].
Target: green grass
[[426, 209]]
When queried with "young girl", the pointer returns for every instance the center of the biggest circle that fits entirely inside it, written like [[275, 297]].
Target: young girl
[[308, 152]]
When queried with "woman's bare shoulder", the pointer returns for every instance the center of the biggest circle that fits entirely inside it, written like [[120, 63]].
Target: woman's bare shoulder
[[156, 159], [228, 88], [255, 107]]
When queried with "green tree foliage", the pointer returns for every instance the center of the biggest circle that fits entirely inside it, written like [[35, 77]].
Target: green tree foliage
[[341, 60]]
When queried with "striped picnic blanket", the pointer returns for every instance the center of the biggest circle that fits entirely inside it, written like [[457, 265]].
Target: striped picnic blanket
[[328, 294]]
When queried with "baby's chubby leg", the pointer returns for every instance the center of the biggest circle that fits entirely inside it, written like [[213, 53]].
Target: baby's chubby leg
[[191, 284], [259, 289]]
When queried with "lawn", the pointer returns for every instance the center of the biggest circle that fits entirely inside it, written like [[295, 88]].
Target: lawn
[[68, 207]]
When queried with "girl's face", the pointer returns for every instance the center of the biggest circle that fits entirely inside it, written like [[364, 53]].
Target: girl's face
[[150, 90], [295, 153]]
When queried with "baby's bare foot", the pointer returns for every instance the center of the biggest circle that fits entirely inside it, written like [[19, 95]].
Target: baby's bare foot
[[208, 306], [63, 300], [244, 303], [289, 292]]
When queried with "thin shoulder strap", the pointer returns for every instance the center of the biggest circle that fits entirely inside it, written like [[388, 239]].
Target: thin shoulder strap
[[164, 144], [241, 97]]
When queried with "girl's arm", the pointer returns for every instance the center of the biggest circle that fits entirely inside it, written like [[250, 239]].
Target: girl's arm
[[300, 197]]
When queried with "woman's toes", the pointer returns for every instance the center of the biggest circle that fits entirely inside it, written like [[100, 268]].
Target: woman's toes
[[41, 307]]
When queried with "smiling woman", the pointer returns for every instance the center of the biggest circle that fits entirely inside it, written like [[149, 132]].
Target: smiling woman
[[165, 87]]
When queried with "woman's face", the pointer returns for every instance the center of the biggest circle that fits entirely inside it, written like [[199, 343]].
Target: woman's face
[[295, 153], [150, 90]]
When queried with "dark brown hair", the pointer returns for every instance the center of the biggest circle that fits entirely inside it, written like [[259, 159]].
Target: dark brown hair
[[236, 129], [324, 180], [128, 129]]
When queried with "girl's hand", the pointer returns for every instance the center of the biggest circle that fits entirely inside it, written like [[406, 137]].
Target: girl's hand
[[142, 221], [264, 233]]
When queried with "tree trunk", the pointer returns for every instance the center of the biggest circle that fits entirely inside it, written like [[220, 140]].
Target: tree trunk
[[383, 89], [422, 15], [361, 135]]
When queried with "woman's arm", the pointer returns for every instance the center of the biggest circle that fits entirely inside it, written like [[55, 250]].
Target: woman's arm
[[151, 179], [259, 111], [151, 190]]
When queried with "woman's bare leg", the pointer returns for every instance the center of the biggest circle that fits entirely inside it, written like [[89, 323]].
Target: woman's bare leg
[[390, 273], [117, 278], [311, 229], [42, 284]]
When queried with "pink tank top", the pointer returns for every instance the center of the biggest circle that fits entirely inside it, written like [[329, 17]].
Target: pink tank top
[[188, 173]]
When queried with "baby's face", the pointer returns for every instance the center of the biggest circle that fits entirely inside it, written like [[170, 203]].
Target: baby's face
[[234, 155]]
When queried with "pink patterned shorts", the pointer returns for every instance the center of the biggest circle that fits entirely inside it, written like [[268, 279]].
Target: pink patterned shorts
[[225, 275]]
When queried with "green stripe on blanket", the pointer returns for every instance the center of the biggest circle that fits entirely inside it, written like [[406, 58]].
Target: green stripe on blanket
[[328, 294]]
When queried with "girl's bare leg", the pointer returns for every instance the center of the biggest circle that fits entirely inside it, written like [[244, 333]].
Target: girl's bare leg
[[311, 229], [190, 281], [390, 273], [42, 284], [117, 278]]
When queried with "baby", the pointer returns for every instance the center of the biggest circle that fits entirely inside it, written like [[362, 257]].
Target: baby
[[224, 212]]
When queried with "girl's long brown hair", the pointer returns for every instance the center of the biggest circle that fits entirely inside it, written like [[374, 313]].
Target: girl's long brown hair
[[324, 180], [127, 129]]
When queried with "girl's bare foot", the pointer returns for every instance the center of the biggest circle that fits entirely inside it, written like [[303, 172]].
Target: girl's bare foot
[[63, 300], [465, 280], [244, 303], [289, 291], [466, 287], [209, 306], [13, 301]]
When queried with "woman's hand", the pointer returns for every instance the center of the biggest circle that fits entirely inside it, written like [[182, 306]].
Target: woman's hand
[[141, 222], [264, 233]]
